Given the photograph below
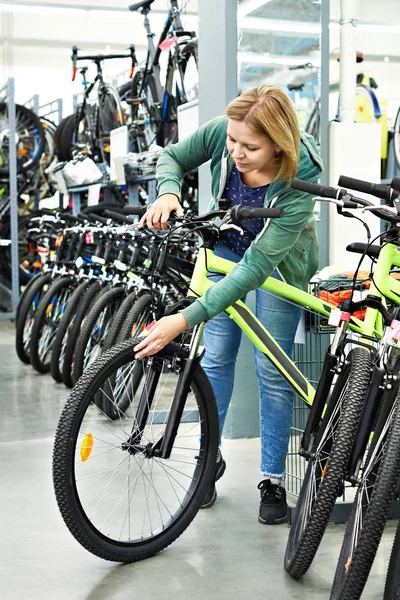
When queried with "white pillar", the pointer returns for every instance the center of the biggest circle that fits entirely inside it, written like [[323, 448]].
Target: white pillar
[[348, 23]]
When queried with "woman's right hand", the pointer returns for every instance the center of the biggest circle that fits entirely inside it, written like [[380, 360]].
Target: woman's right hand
[[157, 215]]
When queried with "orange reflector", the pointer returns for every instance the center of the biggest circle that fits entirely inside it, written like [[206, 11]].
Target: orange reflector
[[324, 469], [48, 309], [86, 448], [21, 152], [36, 264], [107, 148], [347, 565]]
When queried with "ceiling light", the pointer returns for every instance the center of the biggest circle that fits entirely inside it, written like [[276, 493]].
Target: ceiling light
[[42, 10], [279, 25], [255, 58], [249, 6], [386, 59]]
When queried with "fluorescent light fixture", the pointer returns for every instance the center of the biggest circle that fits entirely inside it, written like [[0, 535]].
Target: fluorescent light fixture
[[279, 25], [249, 6], [42, 10], [255, 58]]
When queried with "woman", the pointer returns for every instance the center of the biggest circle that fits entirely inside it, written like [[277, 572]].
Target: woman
[[255, 151]]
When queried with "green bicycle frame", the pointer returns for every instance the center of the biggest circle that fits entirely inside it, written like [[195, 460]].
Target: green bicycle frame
[[371, 326]]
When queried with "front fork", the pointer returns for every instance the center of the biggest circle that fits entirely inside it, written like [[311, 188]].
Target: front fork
[[329, 369], [163, 447]]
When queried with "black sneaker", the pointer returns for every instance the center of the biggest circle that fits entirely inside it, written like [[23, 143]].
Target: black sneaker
[[273, 507], [211, 494]]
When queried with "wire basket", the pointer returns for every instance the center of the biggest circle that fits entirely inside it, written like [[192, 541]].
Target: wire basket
[[309, 358]]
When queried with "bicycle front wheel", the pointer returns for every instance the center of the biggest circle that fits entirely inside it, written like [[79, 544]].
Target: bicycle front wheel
[[376, 490], [118, 498], [323, 481]]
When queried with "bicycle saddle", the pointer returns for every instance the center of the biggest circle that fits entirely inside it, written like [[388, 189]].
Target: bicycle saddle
[[145, 4]]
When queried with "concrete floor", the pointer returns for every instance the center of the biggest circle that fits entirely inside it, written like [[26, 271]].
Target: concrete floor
[[224, 554]]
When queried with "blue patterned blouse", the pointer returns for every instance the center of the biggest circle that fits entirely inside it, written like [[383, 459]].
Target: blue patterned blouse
[[239, 193]]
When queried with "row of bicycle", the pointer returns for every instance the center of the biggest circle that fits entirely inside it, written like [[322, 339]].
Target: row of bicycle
[[137, 440], [101, 281]]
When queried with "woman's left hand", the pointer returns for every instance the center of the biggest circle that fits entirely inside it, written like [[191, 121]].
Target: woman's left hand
[[160, 334]]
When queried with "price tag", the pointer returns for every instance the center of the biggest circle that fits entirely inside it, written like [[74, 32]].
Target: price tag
[[79, 262], [90, 237]]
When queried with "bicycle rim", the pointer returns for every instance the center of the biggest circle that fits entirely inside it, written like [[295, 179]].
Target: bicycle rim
[[126, 505]]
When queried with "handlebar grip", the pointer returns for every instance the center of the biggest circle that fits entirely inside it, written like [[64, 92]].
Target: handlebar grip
[[316, 189], [85, 217], [395, 184], [135, 210], [47, 211], [96, 218], [72, 218], [245, 212], [375, 189], [118, 217]]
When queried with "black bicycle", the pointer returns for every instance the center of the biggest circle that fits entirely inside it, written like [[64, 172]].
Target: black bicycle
[[154, 105], [95, 121]]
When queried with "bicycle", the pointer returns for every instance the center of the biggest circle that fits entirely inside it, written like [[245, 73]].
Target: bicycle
[[172, 442], [154, 104], [93, 122]]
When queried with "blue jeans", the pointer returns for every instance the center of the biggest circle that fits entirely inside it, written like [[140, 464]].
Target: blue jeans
[[222, 339]]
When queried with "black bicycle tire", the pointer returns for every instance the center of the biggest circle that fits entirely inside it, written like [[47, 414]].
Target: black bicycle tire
[[113, 333], [109, 90], [27, 114], [63, 460], [302, 546], [135, 89], [87, 302], [140, 305], [62, 330], [23, 309], [392, 587], [25, 292], [105, 298], [58, 286], [351, 585]]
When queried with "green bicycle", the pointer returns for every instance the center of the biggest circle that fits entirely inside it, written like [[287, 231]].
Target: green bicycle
[[128, 488]]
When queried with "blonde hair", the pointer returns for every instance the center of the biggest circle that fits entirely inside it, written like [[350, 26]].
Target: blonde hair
[[268, 110]]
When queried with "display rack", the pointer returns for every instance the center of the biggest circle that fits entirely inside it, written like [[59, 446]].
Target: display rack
[[7, 93]]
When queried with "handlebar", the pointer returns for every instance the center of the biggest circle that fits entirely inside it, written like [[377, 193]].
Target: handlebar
[[98, 58], [375, 189], [118, 217], [344, 199], [238, 213], [318, 190]]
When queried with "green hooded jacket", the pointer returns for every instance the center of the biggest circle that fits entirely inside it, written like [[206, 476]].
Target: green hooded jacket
[[288, 244]]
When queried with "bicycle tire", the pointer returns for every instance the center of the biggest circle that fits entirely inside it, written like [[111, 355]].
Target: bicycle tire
[[136, 317], [107, 299], [109, 116], [375, 493], [328, 461], [84, 307], [112, 336], [63, 330], [392, 587], [141, 540], [38, 357], [152, 123], [26, 309], [30, 139]]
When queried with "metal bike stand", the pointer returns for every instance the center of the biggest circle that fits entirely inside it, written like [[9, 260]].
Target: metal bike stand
[[33, 105], [8, 92]]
